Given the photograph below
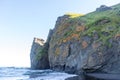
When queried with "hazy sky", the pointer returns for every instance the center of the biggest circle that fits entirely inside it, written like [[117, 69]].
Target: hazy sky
[[22, 20]]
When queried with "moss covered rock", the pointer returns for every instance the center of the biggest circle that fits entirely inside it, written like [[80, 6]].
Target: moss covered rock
[[78, 43], [89, 42], [39, 55]]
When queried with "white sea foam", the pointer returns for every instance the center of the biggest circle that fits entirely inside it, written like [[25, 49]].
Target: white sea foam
[[27, 74]]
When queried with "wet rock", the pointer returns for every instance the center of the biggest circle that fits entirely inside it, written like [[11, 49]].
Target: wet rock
[[76, 78], [102, 76]]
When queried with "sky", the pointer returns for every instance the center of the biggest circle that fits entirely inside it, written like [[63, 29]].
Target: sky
[[22, 20]]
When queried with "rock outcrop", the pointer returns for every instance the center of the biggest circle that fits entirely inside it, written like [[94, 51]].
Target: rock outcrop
[[89, 43], [103, 8], [38, 55], [86, 43]]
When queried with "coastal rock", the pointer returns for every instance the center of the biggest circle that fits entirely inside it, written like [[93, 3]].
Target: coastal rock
[[65, 46], [89, 43], [86, 44], [103, 8], [49, 36], [38, 56]]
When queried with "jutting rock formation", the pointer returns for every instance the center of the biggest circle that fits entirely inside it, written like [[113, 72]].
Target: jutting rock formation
[[39, 60], [87, 43]]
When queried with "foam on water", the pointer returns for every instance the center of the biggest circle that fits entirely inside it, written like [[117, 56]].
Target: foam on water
[[27, 74]]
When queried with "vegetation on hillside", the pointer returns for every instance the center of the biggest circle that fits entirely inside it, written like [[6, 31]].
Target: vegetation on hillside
[[74, 15], [104, 25]]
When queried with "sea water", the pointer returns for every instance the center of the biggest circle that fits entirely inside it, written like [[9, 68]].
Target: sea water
[[12, 73]]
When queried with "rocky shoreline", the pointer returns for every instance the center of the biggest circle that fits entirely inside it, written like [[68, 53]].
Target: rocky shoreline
[[82, 44], [96, 76]]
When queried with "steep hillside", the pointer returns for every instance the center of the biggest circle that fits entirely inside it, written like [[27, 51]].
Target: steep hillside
[[89, 43], [38, 55]]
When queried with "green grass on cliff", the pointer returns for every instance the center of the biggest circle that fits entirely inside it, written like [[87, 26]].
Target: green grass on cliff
[[73, 15], [42, 52], [95, 22], [105, 23]]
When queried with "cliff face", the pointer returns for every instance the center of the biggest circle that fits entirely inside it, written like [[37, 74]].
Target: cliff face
[[38, 55], [90, 42], [86, 43]]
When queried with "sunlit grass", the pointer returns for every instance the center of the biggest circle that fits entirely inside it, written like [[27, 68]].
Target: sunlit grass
[[74, 15]]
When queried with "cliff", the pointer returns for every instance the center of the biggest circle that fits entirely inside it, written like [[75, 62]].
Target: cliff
[[38, 55], [89, 43]]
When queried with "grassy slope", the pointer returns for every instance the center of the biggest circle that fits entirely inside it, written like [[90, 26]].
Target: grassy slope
[[94, 22], [78, 26]]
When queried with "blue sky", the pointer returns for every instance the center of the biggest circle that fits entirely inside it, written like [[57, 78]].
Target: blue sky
[[22, 20]]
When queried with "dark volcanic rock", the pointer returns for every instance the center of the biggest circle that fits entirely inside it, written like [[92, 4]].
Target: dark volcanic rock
[[76, 78], [103, 8], [90, 43], [49, 36], [102, 76], [36, 46], [39, 53], [38, 56], [76, 47]]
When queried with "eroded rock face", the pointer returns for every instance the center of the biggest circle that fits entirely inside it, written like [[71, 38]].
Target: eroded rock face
[[103, 8], [39, 59], [90, 43], [65, 46], [39, 53], [77, 46]]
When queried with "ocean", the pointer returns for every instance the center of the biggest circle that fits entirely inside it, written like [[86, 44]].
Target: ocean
[[13, 73]]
